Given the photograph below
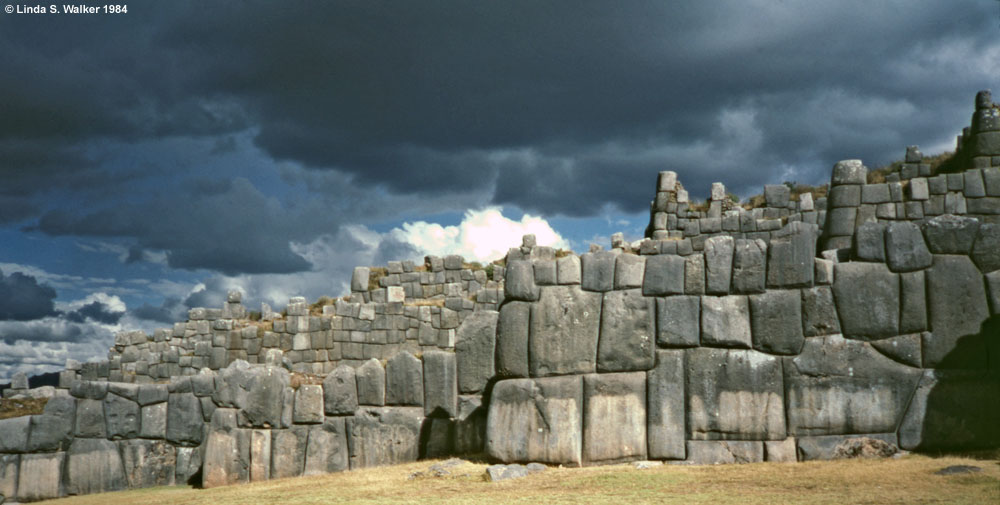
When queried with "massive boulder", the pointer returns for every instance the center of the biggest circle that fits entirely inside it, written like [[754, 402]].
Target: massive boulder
[[564, 330], [537, 420]]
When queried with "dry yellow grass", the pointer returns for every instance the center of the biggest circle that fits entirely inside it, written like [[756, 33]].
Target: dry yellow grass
[[11, 407], [909, 480]]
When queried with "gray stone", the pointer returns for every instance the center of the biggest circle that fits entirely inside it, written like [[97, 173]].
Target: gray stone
[[89, 389], [974, 187], [265, 397], [867, 296], [227, 451], [913, 306], [986, 144], [260, 455], [919, 189], [839, 386], [122, 417], [845, 196], [512, 339], [32, 488], [875, 193], [952, 411], [819, 313], [308, 404], [993, 291], [718, 264], [519, 281], [152, 393], [849, 172], [184, 419], [89, 421], [840, 221], [496, 473], [436, 437], [441, 384], [905, 247], [474, 347], [545, 272], [8, 476], [564, 331], [986, 249], [824, 271], [825, 447], [956, 182], [154, 421], [15, 434], [776, 321], [92, 466], [780, 451], [340, 391], [404, 380], [734, 395], [598, 271], [568, 269], [665, 415], [869, 242], [628, 329], [790, 256], [288, 451], [359, 279], [148, 463], [327, 450], [991, 178], [189, 465], [614, 417], [384, 436], [371, 383], [470, 425], [664, 275], [956, 303], [678, 321], [903, 349], [724, 452], [629, 271], [749, 266], [666, 181], [536, 420], [694, 274], [725, 321], [949, 234], [776, 195]]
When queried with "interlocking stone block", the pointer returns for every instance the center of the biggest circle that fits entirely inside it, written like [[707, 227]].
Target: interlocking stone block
[[628, 332], [905, 248], [598, 270], [512, 339], [725, 321], [340, 391], [629, 271], [564, 327], [950, 234], [790, 256], [718, 264], [538, 420], [734, 395], [957, 308], [749, 266], [474, 350], [370, 378], [867, 297], [776, 321], [614, 417], [869, 242], [665, 415], [678, 321], [664, 275], [519, 281], [849, 172]]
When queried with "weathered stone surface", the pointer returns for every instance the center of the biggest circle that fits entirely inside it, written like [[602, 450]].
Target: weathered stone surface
[[734, 395], [154, 421], [340, 391], [122, 417], [780, 451], [519, 281], [776, 321], [664, 275], [404, 380], [308, 404], [384, 436], [678, 321], [986, 248], [148, 463], [92, 466], [790, 256], [15, 434], [665, 414], [265, 397], [840, 222], [840, 386], [869, 242], [474, 350], [359, 279], [694, 274], [153, 393], [91, 390], [949, 234], [905, 247], [89, 422], [564, 331], [184, 419], [629, 270], [826, 447], [993, 290], [867, 296], [749, 266], [189, 465], [536, 420], [327, 449], [849, 172], [260, 455], [845, 196], [32, 488], [614, 417], [440, 384], [819, 314], [913, 306], [49, 432], [512, 339], [718, 264], [288, 451], [598, 271], [8, 475], [227, 451], [469, 432], [952, 410], [371, 383], [719, 452], [957, 308], [725, 321], [628, 329], [568, 269], [776, 195], [903, 349]]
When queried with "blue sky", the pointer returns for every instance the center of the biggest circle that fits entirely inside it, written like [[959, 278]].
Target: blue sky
[[155, 159]]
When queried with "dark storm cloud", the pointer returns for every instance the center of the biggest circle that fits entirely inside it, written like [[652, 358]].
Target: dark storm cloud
[[170, 311], [23, 299], [95, 311]]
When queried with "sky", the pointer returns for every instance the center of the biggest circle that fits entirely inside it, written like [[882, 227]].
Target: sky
[[154, 159]]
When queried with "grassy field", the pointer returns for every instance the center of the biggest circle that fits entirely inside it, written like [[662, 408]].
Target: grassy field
[[909, 480]]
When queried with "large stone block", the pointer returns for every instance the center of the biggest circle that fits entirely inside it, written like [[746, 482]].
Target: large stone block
[[951, 411], [50, 432], [819, 313], [189, 465], [678, 321], [614, 417], [718, 264], [628, 332], [512, 339], [776, 321], [867, 296], [598, 271], [15, 434], [308, 404], [664, 275], [734, 395], [986, 249], [371, 383], [869, 242], [227, 451], [749, 266], [288, 451], [536, 420], [404, 380], [694, 274], [724, 452], [776, 195], [903, 349], [327, 450], [184, 419], [905, 247], [92, 466], [9, 464], [957, 308], [825, 447], [265, 397], [629, 270], [845, 196], [89, 421], [913, 303], [470, 425], [949, 234], [440, 384], [41, 476], [474, 350], [838, 386], [665, 409], [359, 279], [849, 172], [519, 281], [260, 455], [790, 256], [340, 391], [568, 269], [148, 463], [122, 417], [725, 321], [564, 331], [840, 222], [384, 436]]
